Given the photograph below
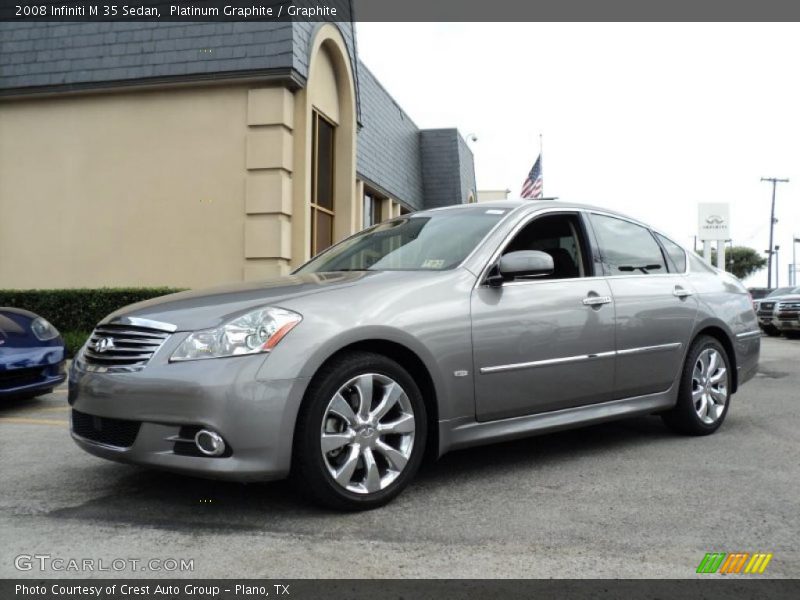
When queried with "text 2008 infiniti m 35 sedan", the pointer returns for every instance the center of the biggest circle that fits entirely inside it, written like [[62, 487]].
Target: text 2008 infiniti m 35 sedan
[[426, 333]]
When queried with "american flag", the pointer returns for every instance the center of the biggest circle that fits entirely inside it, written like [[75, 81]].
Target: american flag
[[532, 186]]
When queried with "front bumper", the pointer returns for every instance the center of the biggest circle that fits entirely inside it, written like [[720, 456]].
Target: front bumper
[[255, 417], [787, 324], [32, 380], [765, 322]]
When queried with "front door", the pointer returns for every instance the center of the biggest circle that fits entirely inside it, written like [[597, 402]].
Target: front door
[[544, 344]]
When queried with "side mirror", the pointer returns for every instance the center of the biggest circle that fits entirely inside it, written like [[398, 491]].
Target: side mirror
[[531, 263]]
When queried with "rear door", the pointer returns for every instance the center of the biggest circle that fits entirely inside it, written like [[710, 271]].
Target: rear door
[[655, 306]]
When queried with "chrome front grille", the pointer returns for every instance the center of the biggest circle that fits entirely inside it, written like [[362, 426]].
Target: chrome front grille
[[118, 347]]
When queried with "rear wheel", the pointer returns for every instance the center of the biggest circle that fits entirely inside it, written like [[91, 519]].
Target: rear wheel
[[705, 390], [361, 433]]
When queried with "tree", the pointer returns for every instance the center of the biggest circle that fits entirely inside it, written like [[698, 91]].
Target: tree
[[741, 261]]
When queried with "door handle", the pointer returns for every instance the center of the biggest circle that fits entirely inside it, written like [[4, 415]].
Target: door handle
[[596, 300], [679, 292]]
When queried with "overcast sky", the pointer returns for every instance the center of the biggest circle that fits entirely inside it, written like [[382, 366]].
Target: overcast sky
[[647, 119]]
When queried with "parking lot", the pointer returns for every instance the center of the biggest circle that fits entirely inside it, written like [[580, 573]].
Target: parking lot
[[627, 499]]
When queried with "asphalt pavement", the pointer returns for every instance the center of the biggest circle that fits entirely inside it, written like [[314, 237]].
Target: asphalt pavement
[[628, 499]]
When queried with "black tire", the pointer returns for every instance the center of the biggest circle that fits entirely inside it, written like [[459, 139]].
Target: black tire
[[772, 331], [791, 335], [684, 418], [309, 469]]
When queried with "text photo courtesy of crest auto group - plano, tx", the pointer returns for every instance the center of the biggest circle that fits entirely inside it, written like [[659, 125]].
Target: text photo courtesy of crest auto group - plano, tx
[[367, 299]]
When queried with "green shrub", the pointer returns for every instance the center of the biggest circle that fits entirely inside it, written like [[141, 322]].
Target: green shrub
[[75, 312], [73, 340]]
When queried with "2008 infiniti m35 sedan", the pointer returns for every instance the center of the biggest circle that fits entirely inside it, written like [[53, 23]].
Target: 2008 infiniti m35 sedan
[[430, 332]]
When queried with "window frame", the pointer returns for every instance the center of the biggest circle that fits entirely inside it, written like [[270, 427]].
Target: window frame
[[658, 235], [588, 255], [314, 206]]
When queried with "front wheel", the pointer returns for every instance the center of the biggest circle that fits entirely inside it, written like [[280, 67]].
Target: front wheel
[[705, 390], [361, 432], [772, 331]]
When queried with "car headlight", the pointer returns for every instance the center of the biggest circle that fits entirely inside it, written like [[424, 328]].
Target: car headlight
[[43, 329], [252, 333]]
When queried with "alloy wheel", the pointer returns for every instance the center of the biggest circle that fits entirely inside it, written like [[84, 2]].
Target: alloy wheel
[[709, 385], [367, 433]]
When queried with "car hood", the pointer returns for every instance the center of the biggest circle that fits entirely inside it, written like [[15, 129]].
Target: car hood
[[788, 298], [202, 309]]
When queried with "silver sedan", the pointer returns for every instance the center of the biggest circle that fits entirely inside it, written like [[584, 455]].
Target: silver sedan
[[424, 334]]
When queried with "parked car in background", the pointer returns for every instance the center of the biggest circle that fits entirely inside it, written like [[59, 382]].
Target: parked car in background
[[433, 331], [759, 293], [32, 355], [787, 314], [766, 307]]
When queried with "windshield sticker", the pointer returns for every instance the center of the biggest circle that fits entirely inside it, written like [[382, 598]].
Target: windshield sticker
[[495, 211], [433, 263]]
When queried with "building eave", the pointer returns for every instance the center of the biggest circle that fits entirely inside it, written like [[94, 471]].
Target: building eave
[[288, 77]]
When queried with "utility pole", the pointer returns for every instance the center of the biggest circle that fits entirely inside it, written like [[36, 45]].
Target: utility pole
[[777, 267], [775, 181]]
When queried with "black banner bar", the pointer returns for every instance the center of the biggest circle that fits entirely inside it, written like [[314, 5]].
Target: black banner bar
[[399, 10], [711, 588]]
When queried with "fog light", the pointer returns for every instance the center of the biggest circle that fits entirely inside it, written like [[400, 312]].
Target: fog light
[[209, 443]]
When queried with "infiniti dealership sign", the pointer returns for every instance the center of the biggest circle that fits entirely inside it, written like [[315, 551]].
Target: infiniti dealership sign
[[713, 221]]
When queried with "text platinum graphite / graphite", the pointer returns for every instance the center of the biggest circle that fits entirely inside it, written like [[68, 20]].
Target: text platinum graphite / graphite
[[252, 11]]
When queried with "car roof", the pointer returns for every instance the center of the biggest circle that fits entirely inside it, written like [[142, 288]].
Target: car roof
[[517, 203], [544, 204]]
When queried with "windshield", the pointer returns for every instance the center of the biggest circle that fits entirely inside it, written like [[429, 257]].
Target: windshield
[[433, 241]]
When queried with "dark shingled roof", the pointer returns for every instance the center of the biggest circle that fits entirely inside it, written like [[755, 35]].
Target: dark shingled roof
[[85, 55]]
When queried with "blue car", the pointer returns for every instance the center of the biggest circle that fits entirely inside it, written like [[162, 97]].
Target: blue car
[[32, 354]]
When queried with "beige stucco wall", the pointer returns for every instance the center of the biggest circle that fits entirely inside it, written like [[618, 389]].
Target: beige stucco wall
[[185, 187], [134, 188], [489, 195]]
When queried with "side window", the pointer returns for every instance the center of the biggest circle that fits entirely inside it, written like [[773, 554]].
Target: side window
[[560, 236], [675, 252], [627, 248]]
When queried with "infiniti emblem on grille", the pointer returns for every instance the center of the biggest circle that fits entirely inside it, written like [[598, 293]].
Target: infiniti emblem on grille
[[104, 345]]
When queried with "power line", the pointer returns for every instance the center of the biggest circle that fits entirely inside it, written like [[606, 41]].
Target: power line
[[775, 181]]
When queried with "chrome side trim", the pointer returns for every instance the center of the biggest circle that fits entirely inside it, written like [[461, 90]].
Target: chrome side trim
[[140, 322], [646, 349], [580, 358], [748, 334], [549, 361]]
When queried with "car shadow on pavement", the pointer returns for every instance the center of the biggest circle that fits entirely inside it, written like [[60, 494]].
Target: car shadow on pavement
[[148, 498], [14, 404]]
